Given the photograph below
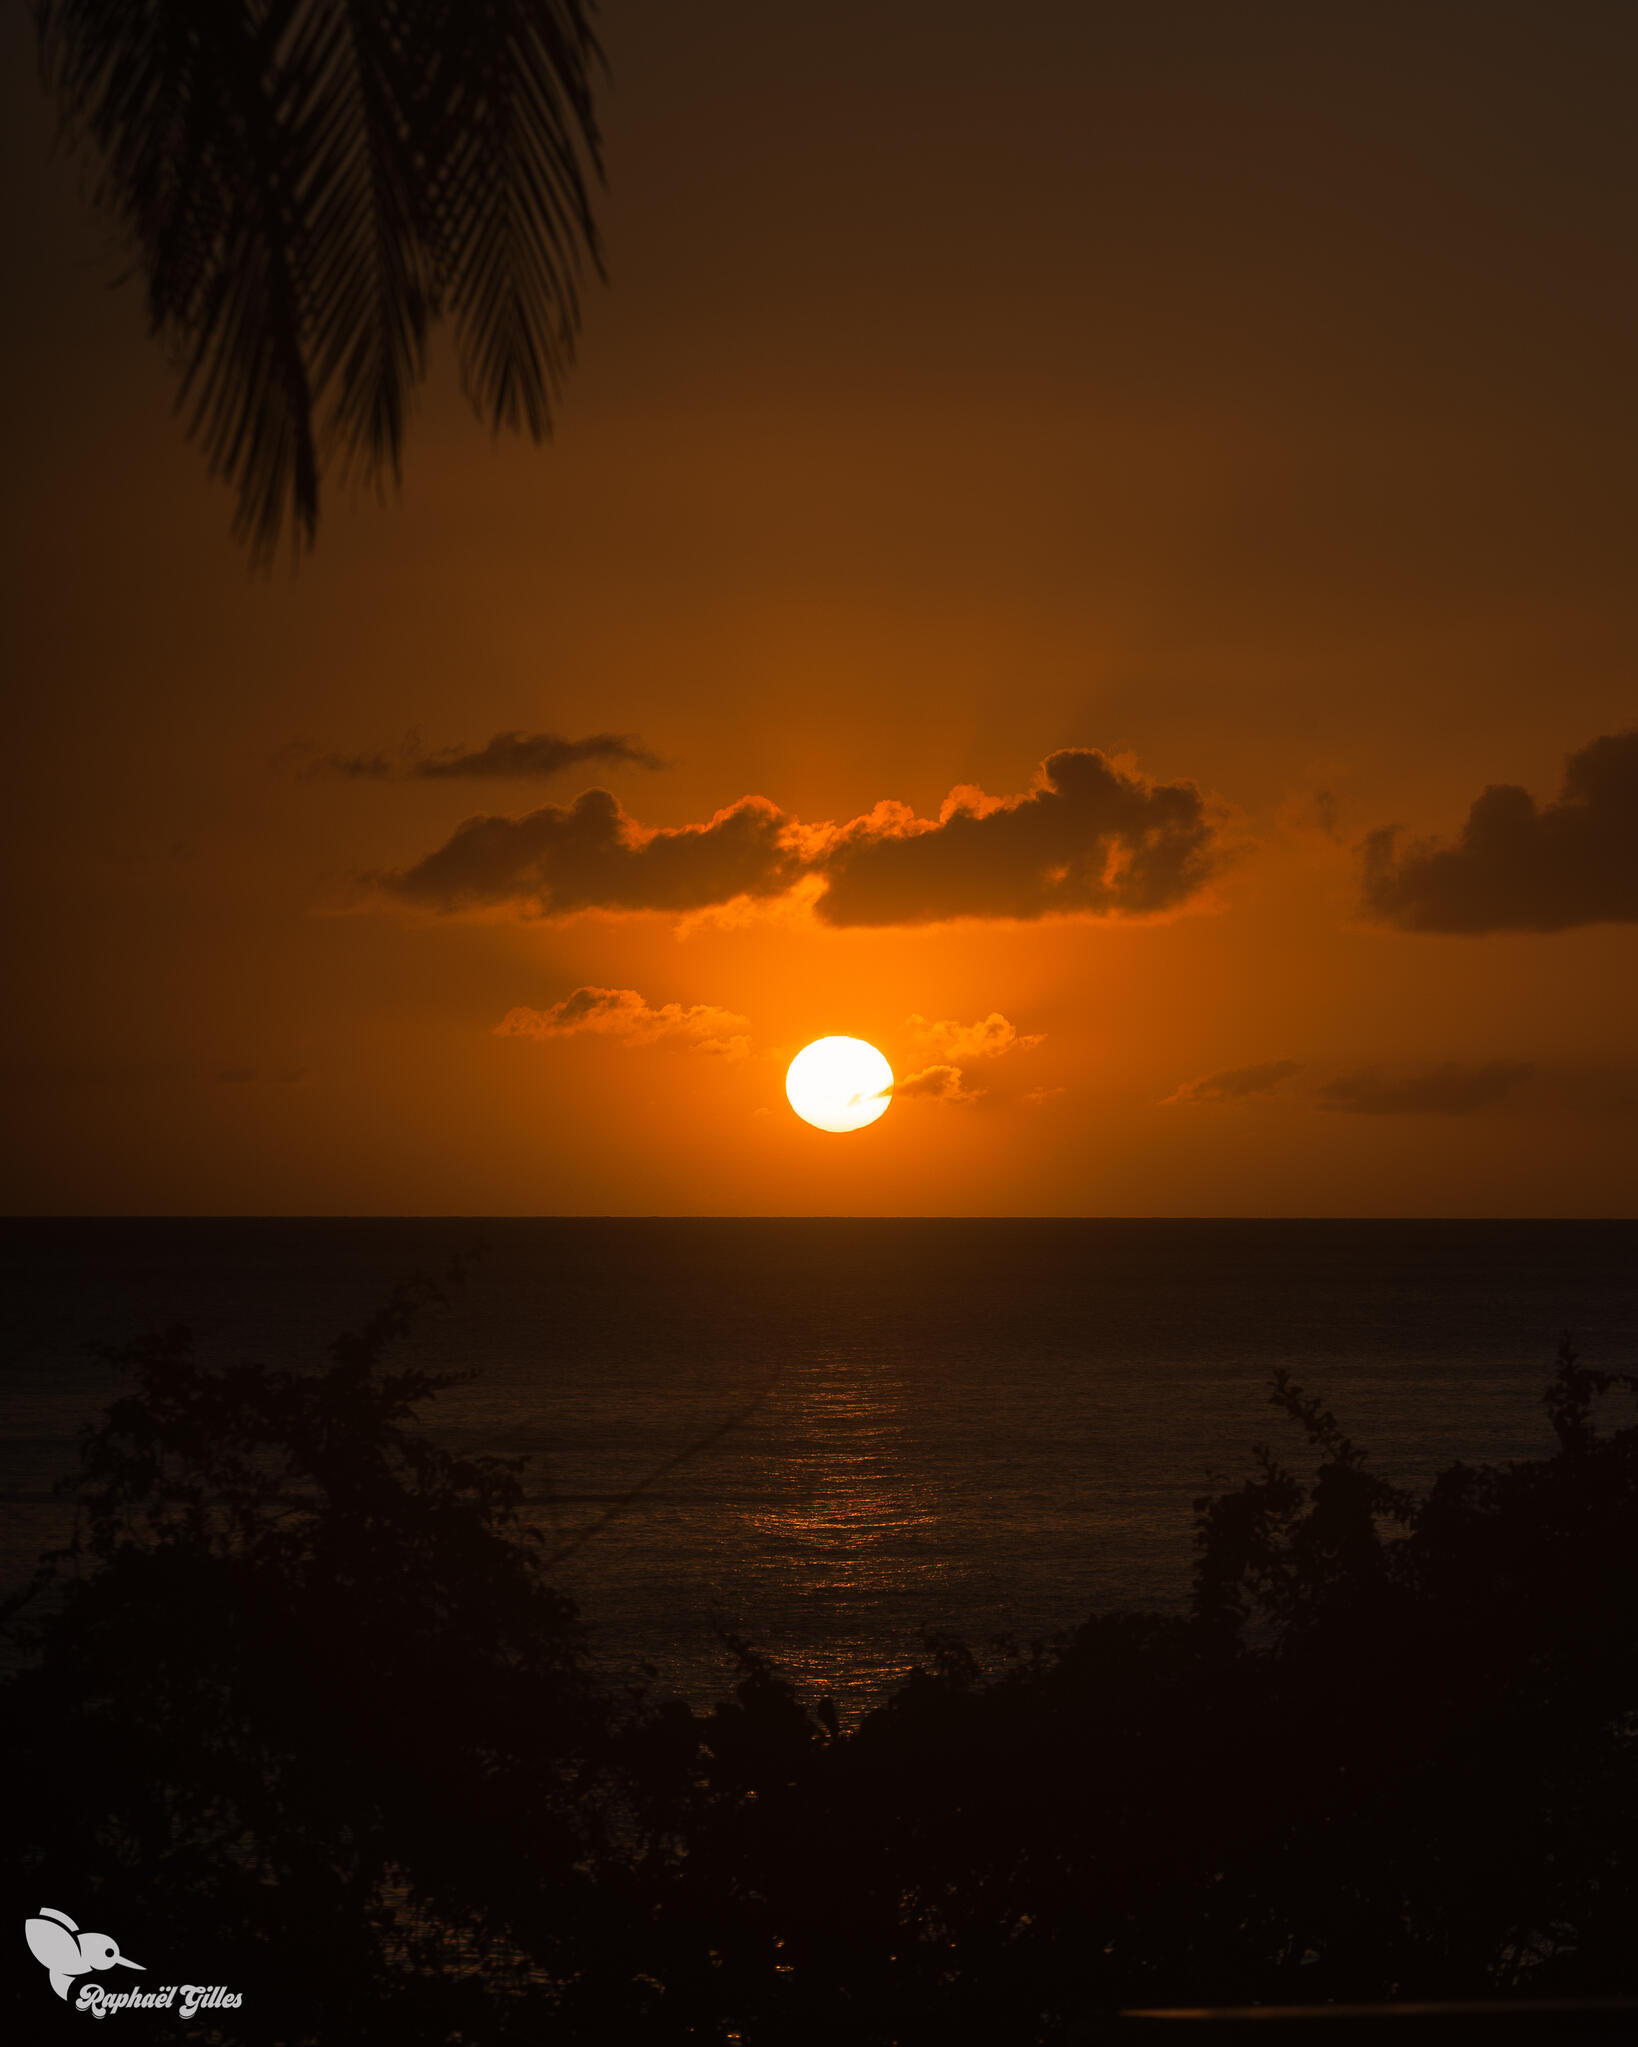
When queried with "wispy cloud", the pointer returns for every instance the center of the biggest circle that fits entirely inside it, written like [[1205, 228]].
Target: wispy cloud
[[1233, 1084], [515, 756], [937, 1084], [990, 1038], [1452, 1089], [531, 755], [624, 1014]]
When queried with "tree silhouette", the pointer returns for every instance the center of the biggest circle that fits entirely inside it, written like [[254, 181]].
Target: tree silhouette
[[306, 1714], [309, 185]]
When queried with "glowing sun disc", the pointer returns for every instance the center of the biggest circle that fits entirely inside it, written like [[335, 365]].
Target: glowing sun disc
[[839, 1084]]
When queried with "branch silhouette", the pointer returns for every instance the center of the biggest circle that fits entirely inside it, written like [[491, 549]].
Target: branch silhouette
[[617, 1507]]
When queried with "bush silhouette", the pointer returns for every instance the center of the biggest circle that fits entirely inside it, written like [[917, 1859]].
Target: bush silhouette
[[307, 1713], [303, 1713]]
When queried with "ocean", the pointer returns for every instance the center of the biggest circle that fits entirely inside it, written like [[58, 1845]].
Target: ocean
[[840, 1435]]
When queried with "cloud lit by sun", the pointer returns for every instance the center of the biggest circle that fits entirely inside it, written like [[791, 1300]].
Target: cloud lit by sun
[[1091, 837]]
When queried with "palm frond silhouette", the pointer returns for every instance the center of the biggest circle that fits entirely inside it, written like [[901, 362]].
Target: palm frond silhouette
[[309, 185]]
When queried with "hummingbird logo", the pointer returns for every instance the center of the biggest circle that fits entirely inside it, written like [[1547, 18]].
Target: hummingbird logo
[[55, 1941]]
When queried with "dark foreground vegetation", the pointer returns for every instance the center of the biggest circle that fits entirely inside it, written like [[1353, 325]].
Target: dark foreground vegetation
[[303, 1716]]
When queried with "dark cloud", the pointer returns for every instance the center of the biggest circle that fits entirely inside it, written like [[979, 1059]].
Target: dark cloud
[[1517, 868], [589, 855], [533, 754], [936, 1084], [1233, 1084], [520, 756], [1448, 1090], [624, 1014], [1089, 837]]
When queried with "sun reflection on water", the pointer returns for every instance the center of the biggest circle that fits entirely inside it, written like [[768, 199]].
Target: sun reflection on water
[[838, 1524]]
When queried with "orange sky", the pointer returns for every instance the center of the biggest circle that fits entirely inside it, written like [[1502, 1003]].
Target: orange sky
[[1244, 396]]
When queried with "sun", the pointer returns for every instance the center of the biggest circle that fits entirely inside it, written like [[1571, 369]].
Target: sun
[[839, 1084]]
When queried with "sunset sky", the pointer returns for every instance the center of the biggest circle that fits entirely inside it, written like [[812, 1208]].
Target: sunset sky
[[1046, 492]]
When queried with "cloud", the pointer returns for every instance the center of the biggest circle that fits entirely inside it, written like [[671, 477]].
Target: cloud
[[1090, 838], [1452, 1089], [1448, 1090], [534, 754], [520, 756], [1233, 1084], [1517, 868], [307, 761], [990, 1038], [622, 1013], [1038, 1097], [589, 855], [937, 1084]]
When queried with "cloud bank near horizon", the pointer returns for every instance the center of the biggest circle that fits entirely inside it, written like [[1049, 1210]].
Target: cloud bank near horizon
[[1453, 1088]]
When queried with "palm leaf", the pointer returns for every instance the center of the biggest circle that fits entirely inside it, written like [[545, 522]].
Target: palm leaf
[[512, 211], [308, 184]]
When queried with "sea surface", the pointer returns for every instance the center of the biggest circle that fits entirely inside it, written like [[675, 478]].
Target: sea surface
[[830, 1437]]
